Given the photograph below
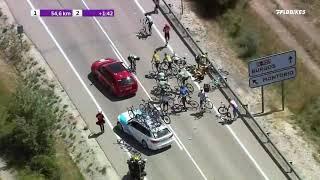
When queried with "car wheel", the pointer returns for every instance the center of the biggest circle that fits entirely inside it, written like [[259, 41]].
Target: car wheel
[[144, 144], [120, 126]]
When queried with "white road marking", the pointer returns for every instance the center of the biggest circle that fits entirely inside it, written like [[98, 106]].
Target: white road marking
[[228, 127], [75, 71], [118, 54]]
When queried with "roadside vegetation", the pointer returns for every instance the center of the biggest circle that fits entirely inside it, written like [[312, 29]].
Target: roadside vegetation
[[29, 111], [250, 38]]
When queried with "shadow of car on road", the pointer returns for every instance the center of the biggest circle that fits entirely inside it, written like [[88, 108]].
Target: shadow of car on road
[[132, 145], [106, 91]]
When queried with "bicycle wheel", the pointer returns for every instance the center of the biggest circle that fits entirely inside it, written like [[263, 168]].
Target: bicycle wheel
[[166, 119], [181, 63], [208, 104], [130, 113], [176, 108], [171, 102], [142, 107], [194, 104], [174, 71], [155, 91], [164, 66], [190, 87], [223, 110]]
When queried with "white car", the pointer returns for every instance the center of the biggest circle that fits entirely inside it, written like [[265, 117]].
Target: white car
[[151, 135]]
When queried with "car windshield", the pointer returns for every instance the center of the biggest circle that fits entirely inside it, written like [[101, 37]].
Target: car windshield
[[116, 67], [126, 81], [161, 133]]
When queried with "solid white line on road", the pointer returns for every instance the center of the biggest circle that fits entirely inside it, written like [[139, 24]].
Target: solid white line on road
[[118, 54], [74, 70], [170, 48], [228, 127]]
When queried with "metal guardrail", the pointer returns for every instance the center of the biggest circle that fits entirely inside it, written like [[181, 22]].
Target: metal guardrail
[[228, 93]]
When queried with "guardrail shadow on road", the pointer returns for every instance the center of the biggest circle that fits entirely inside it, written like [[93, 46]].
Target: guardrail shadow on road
[[105, 90], [228, 93], [128, 143]]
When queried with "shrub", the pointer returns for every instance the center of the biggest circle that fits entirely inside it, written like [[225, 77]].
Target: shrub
[[45, 165], [31, 121], [247, 44], [213, 8]]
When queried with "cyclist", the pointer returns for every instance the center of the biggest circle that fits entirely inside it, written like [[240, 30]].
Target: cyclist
[[156, 59], [132, 59], [184, 92], [167, 58], [200, 72], [203, 96], [166, 30], [137, 166], [234, 108], [101, 120], [183, 76], [164, 101], [149, 22]]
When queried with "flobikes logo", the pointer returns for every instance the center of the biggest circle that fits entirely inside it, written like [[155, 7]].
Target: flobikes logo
[[290, 12]]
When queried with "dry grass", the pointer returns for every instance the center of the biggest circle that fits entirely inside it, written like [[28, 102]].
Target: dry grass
[[300, 93], [65, 162], [312, 8]]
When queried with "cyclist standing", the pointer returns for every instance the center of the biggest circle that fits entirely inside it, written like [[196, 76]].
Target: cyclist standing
[[203, 96], [167, 58], [234, 108], [132, 59], [164, 100], [156, 59], [149, 22], [101, 120], [183, 76], [184, 92], [166, 30]]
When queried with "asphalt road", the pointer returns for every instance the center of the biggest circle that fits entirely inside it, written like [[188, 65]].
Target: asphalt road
[[203, 149]]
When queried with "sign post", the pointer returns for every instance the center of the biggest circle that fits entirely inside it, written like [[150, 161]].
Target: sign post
[[262, 98], [271, 69], [282, 94]]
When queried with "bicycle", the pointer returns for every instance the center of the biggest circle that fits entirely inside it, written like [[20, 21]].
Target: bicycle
[[142, 33], [216, 83], [127, 147], [180, 62], [131, 112], [207, 104], [156, 90], [146, 106], [224, 110], [162, 115], [178, 107]]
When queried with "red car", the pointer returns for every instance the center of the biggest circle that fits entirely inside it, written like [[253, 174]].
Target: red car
[[113, 74]]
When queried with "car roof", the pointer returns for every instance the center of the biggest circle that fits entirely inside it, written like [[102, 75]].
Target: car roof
[[149, 124]]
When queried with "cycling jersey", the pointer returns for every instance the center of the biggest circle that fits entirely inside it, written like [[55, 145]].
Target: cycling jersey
[[234, 104], [167, 58], [156, 58], [166, 29], [184, 91]]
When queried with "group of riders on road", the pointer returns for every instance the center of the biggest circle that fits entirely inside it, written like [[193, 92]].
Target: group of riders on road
[[135, 163]]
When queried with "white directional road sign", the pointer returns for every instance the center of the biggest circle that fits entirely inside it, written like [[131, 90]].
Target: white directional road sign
[[272, 63], [272, 77]]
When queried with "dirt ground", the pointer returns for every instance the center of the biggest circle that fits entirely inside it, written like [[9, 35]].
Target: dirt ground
[[284, 134]]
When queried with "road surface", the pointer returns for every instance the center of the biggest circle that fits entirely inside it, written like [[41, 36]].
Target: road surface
[[203, 149]]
